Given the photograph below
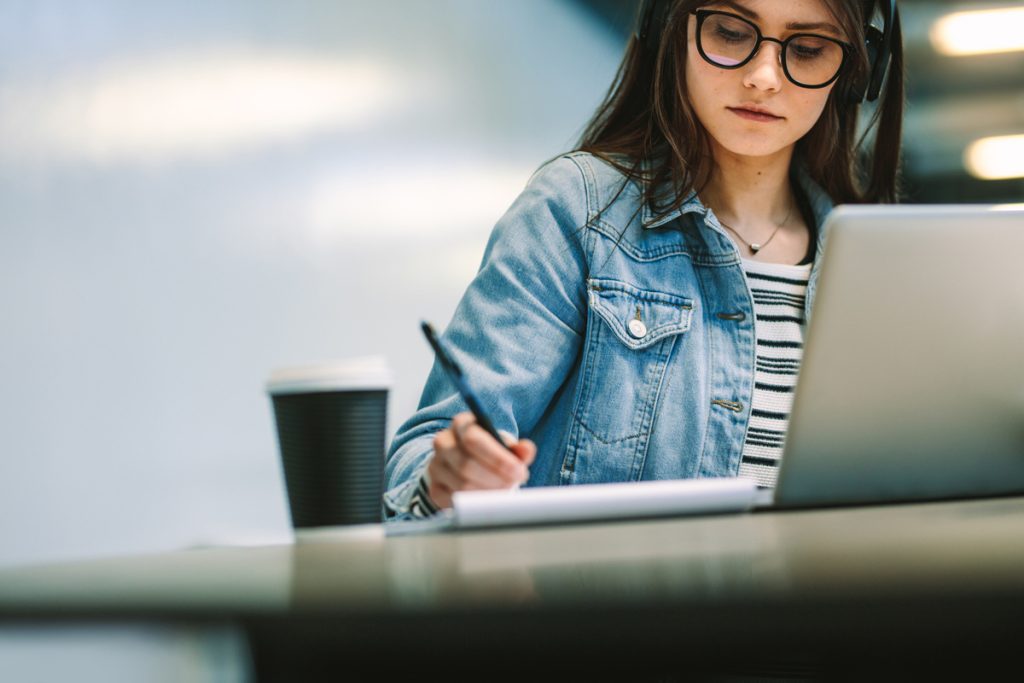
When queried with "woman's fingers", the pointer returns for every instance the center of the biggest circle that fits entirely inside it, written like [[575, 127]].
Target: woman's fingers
[[445, 480], [456, 469], [482, 448], [526, 450], [473, 473], [467, 458]]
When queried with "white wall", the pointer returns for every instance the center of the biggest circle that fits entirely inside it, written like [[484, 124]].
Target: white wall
[[193, 193]]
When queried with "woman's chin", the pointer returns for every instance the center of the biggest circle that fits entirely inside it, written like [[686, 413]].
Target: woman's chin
[[757, 148]]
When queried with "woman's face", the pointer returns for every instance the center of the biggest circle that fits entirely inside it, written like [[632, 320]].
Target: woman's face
[[723, 98]]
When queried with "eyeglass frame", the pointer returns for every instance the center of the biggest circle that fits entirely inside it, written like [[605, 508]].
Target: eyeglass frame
[[703, 14]]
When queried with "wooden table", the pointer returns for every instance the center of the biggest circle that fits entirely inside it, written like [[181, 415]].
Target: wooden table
[[930, 589]]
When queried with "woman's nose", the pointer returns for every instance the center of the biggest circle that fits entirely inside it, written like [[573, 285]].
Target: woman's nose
[[764, 71]]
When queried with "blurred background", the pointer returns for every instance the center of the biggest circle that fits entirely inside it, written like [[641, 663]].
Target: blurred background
[[195, 193]]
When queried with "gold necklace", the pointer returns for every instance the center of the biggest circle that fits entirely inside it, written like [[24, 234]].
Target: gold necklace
[[754, 248]]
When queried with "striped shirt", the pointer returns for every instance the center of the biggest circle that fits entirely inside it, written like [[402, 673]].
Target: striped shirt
[[779, 293], [422, 505]]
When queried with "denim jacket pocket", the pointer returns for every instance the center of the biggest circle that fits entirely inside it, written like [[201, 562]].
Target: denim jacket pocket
[[638, 317], [631, 335]]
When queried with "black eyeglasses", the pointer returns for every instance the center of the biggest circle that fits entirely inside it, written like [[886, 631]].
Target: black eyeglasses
[[729, 41]]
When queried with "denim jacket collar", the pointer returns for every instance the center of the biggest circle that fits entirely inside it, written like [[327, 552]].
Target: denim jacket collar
[[649, 219], [821, 205]]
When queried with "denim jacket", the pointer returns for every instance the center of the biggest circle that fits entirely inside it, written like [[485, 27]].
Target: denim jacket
[[608, 335]]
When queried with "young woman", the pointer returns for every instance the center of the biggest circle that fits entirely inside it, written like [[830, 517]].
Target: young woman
[[640, 308]]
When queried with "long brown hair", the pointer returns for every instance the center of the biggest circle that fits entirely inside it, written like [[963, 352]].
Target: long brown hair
[[647, 129]]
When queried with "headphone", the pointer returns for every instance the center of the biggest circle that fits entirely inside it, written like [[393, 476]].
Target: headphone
[[881, 15]]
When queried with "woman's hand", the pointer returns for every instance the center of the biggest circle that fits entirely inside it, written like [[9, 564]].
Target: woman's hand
[[467, 458]]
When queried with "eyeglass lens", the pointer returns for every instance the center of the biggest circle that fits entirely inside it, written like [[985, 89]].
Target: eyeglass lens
[[729, 41]]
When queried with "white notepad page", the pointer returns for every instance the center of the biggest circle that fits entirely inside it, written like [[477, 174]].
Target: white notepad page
[[553, 504]]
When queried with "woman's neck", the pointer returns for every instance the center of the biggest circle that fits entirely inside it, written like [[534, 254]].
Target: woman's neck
[[750, 192]]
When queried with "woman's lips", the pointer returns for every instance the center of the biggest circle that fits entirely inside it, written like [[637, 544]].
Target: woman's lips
[[754, 115]]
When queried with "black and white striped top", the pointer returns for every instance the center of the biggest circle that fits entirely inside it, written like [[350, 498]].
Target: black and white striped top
[[779, 292]]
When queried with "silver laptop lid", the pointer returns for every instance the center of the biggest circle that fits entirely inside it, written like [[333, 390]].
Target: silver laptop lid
[[912, 382]]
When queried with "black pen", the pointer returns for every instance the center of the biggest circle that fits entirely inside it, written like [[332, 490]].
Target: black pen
[[459, 380]]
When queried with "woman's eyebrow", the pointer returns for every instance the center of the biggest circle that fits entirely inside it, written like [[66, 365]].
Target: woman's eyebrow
[[745, 11], [814, 26], [791, 26]]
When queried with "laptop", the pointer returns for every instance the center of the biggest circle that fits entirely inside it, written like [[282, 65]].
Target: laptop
[[912, 381], [911, 386]]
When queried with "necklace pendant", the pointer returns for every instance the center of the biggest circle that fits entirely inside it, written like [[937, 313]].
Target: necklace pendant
[[755, 247]]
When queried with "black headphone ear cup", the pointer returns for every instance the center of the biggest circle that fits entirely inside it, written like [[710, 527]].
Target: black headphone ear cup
[[879, 19], [879, 59], [869, 84], [873, 42], [862, 87]]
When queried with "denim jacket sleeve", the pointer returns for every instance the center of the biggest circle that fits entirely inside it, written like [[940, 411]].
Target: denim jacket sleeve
[[516, 331]]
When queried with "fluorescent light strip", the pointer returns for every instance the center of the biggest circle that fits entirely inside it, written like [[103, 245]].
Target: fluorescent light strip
[[197, 105], [996, 158], [979, 32]]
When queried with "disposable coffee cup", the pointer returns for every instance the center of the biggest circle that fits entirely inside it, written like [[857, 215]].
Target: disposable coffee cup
[[331, 421]]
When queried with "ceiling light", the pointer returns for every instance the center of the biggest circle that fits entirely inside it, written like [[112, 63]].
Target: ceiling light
[[979, 32], [996, 158]]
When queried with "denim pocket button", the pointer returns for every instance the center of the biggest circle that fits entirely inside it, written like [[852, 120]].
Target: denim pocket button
[[637, 328]]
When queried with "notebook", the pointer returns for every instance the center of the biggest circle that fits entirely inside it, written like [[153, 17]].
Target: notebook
[[589, 502], [911, 386]]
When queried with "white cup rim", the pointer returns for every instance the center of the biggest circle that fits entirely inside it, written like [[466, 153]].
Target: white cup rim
[[367, 373]]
